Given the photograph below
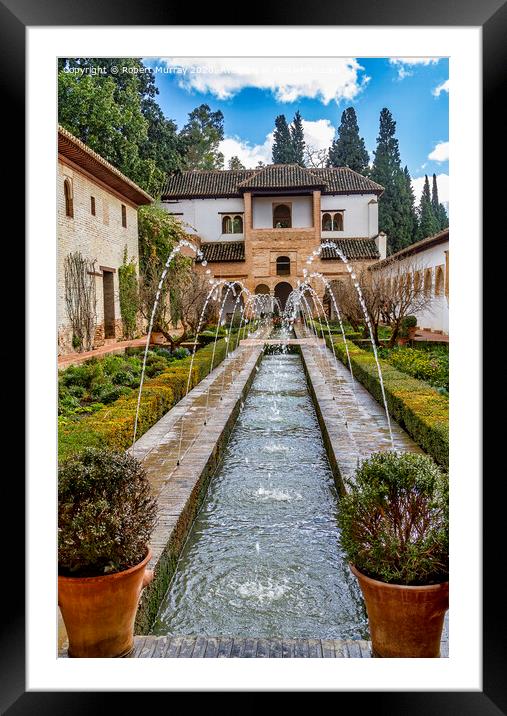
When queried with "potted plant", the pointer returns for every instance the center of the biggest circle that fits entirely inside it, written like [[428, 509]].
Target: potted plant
[[106, 515], [407, 329], [394, 522]]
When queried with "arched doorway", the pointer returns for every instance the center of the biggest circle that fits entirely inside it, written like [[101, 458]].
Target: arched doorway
[[262, 288], [282, 291]]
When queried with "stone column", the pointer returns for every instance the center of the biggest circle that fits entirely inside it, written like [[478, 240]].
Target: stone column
[[247, 199], [316, 215]]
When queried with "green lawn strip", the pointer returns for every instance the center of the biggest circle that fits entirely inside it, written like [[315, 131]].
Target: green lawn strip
[[415, 405], [113, 425]]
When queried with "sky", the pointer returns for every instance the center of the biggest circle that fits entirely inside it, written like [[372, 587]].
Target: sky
[[251, 92]]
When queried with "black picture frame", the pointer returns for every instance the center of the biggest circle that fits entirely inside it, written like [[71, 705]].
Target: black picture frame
[[491, 15]]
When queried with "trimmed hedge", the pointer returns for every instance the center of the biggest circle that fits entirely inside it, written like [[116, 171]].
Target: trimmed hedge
[[415, 405], [113, 425]]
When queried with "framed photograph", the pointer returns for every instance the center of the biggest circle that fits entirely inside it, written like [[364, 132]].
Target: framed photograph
[[240, 305]]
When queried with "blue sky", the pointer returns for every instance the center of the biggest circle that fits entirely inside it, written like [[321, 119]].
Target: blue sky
[[251, 92]]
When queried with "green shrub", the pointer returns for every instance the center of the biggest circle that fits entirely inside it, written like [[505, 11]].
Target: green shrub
[[414, 404], [394, 519], [67, 403], [113, 425], [106, 513], [429, 364], [180, 353], [407, 323], [126, 378], [206, 337], [108, 393]]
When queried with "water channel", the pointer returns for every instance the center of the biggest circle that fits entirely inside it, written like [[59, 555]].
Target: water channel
[[263, 558]]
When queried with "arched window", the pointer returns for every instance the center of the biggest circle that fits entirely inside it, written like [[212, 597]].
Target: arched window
[[332, 221], [283, 266], [69, 201], [417, 281], [232, 224], [226, 225], [427, 282], [439, 281], [282, 217], [237, 225], [327, 222], [338, 221]]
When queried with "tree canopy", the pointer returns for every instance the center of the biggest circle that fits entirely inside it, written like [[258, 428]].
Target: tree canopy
[[396, 206], [348, 149], [282, 144], [201, 136]]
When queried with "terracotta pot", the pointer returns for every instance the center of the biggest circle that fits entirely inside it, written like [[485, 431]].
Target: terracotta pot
[[404, 621], [99, 612]]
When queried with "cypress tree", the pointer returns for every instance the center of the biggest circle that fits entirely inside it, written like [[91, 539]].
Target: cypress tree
[[439, 211], [297, 140], [410, 214], [395, 204], [282, 145], [348, 149], [428, 224]]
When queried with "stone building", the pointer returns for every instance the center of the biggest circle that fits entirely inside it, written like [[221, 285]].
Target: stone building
[[97, 216], [427, 263], [259, 226]]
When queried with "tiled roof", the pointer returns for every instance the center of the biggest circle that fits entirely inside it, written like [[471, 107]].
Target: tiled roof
[[199, 184], [76, 151], [343, 179], [441, 238], [281, 176], [223, 251], [357, 248]]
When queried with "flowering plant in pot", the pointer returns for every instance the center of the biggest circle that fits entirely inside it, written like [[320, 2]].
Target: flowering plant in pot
[[394, 522], [106, 515]]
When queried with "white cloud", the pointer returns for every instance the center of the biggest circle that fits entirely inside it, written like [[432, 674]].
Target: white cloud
[[443, 87], [287, 78], [443, 188], [404, 63], [318, 135], [249, 154], [440, 153]]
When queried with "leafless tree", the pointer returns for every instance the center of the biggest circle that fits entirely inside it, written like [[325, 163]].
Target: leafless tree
[[80, 299], [149, 286], [390, 293], [182, 299], [316, 158], [404, 292], [192, 292]]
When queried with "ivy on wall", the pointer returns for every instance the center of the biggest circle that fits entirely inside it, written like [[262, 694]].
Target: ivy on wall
[[129, 296]]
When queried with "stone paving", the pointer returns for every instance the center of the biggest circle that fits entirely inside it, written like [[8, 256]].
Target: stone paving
[[352, 422], [185, 647]]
